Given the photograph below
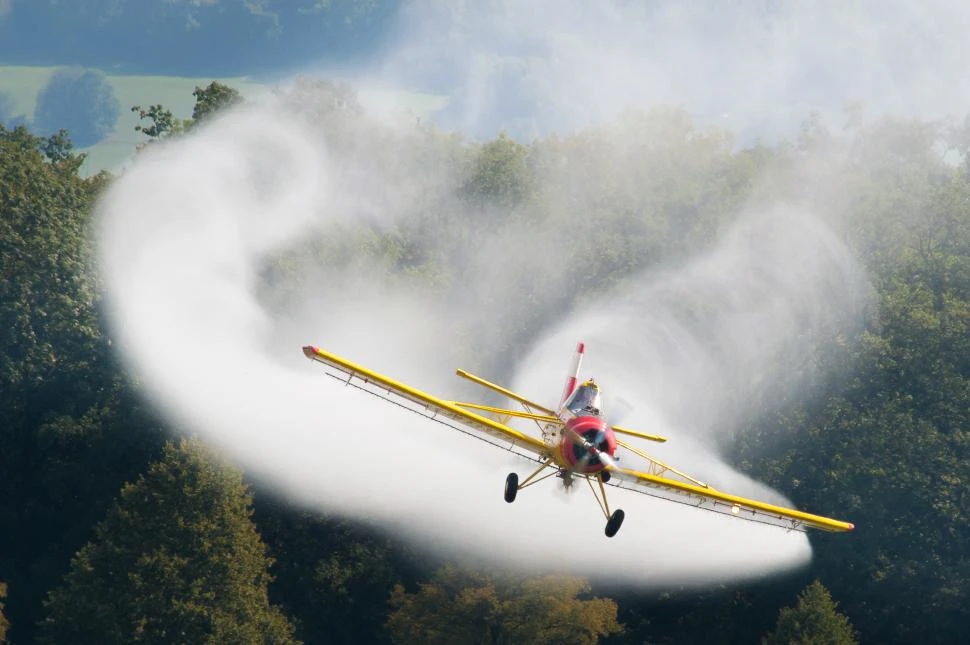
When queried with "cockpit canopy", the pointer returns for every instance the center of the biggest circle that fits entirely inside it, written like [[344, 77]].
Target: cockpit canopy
[[585, 400]]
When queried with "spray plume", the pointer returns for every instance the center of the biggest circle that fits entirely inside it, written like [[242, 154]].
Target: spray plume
[[757, 67], [189, 231]]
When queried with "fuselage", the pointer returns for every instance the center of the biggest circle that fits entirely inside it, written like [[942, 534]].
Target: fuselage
[[585, 431]]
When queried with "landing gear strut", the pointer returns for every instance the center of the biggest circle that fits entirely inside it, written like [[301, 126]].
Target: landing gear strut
[[614, 520], [512, 485]]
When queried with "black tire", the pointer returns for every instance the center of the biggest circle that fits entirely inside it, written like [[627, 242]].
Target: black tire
[[511, 487], [605, 476], [614, 523]]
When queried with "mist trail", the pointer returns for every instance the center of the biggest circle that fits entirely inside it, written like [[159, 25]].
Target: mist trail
[[187, 234]]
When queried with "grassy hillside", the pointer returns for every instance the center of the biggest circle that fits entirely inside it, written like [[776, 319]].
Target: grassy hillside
[[174, 92]]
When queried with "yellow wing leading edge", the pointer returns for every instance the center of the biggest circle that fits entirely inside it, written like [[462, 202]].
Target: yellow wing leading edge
[[422, 402], [465, 417]]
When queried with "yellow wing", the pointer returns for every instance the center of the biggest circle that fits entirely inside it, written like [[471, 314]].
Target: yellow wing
[[641, 435], [449, 413], [660, 482]]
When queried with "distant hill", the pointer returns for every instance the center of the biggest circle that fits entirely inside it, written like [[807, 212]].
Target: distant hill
[[181, 37]]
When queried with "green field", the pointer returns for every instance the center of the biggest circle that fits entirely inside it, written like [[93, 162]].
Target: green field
[[23, 84], [174, 92]]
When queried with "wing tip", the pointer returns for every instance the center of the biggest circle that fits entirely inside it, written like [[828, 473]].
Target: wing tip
[[837, 526], [310, 351]]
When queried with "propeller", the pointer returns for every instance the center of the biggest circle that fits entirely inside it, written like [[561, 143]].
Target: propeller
[[591, 449]]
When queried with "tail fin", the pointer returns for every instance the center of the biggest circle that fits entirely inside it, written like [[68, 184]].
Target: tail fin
[[574, 378]]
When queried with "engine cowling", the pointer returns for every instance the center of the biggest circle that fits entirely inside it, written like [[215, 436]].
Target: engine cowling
[[576, 454]]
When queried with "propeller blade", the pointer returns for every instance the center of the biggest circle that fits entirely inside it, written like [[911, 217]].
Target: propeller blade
[[607, 460], [591, 450]]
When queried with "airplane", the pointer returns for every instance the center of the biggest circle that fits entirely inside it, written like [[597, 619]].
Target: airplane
[[575, 442]]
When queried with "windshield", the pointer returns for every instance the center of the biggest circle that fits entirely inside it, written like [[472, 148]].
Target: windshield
[[585, 400]]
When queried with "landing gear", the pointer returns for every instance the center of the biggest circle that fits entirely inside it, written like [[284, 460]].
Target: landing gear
[[511, 487], [613, 524], [614, 520]]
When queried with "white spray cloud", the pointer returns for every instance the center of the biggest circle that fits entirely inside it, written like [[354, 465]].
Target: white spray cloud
[[189, 228], [697, 345], [761, 67], [185, 233]]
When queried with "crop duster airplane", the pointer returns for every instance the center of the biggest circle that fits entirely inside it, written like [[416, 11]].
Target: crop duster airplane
[[575, 442]]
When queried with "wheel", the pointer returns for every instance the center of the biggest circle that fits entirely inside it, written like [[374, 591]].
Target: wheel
[[613, 525], [511, 487], [605, 476]]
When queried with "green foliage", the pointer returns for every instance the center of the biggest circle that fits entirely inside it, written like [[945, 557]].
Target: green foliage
[[59, 148], [332, 576], [163, 122], [177, 558], [813, 621], [46, 291], [208, 101], [883, 443], [459, 606], [499, 175], [80, 101], [71, 430], [213, 98]]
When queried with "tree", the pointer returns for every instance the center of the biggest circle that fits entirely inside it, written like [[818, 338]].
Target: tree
[[164, 124], [213, 98], [72, 426], [208, 100], [500, 175], [178, 558], [460, 606], [813, 621], [332, 575], [80, 101]]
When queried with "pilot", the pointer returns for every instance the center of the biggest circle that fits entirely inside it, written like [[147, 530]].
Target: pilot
[[586, 399]]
